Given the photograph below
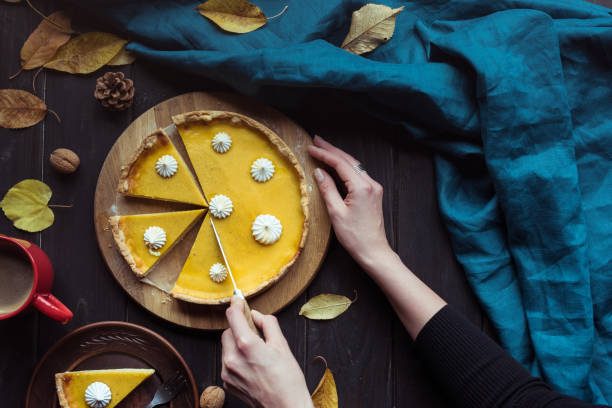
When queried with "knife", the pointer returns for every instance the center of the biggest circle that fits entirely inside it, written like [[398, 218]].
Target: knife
[[237, 292]]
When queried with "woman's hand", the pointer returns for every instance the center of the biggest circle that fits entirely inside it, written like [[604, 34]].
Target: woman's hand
[[263, 373], [358, 218]]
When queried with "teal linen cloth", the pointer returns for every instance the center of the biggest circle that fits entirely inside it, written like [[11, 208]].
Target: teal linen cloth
[[515, 98]]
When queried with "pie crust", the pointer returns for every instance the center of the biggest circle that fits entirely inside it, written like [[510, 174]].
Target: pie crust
[[128, 253], [281, 146], [63, 379], [128, 183]]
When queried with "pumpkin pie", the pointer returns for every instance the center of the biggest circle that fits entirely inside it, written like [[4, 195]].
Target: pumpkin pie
[[157, 171], [72, 385], [143, 239], [239, 158]]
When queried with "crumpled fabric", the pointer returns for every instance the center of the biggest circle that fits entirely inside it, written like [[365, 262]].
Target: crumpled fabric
[[514, 97]]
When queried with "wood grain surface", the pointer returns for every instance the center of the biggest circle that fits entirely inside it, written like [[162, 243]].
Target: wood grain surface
[[366, 348], [108, 202]]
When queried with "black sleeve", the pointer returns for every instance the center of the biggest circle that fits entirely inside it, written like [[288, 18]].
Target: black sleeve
[[476, 373]]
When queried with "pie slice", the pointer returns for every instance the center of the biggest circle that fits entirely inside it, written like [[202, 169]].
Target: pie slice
[[227, 171], [143, 252], [71, 385], [141, 177], [194, 283]]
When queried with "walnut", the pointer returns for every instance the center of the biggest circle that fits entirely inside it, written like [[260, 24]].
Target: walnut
[[64, 161], [212, 397]]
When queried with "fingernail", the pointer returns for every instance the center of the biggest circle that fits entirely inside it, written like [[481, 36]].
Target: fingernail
[[318, 174], [318, 137]]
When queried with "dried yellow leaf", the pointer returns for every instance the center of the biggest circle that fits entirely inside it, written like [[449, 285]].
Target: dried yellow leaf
[[326, 394], [45, 40], [236, 16], [371, 26], [20, 109], [326, 306], [26, 205], [124, 57], [86, 53]]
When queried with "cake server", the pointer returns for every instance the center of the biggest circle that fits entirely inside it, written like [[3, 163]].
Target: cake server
[[237, 292]]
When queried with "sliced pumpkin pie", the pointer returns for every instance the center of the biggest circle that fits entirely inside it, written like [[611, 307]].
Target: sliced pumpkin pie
[[257, 193], [157, 171], [97, 388], [144, 239]]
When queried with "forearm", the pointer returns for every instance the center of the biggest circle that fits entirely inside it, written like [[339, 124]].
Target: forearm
[[414, 302], [476, 373]]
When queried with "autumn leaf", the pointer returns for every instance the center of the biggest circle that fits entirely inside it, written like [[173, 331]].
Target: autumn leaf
[[326, 394], [86, 53], [326, 306], [371, 26], [26, 205], [45, 40], [20, 109], [236, 16], [124, 57]]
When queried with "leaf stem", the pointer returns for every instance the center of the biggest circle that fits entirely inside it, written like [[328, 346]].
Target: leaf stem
[[60, 205], [274, 16], [47, 19], [16, 74], [321, 358], [60, 121], [34, 79]]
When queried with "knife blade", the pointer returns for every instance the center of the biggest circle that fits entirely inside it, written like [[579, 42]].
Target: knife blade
[[237, 292]]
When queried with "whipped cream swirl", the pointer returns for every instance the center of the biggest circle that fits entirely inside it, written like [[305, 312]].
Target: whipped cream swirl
[[166, 166], [154, 238], [220, 206], [262, 170], [98, 395], [221, 142], [266, 229], [218, 272]]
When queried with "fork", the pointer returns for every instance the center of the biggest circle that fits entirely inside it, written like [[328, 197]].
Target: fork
[[168, 390]]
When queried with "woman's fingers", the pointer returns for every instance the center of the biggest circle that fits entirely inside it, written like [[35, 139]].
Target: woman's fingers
[[270, 327], [227, 341], [346, 171], [329, 191], [242, 333], [324, 144]]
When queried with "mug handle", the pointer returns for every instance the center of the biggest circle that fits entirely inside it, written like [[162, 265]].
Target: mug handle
[[49, 305]]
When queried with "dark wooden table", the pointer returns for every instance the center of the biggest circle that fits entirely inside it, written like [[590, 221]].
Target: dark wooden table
[[367, 348]]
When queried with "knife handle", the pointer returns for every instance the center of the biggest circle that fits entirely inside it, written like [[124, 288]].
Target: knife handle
[[249, 318], [247, 313]]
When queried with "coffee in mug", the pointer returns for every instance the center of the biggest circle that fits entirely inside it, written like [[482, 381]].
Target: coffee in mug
[[16, 280], [26, 278]]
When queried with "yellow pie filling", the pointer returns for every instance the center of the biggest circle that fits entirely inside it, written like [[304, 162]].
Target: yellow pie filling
[[71, 385], [141, 179], [252, 263], [129, 233]]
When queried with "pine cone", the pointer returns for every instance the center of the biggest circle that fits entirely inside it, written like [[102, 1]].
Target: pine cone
[[115, 91]]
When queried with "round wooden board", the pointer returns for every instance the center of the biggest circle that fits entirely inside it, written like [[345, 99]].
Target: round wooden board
[[108, 202]]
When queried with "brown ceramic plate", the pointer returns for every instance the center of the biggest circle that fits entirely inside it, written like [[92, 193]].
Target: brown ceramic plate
[[112, 345]]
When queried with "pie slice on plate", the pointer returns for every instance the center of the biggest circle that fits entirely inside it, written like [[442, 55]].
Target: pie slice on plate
[[157, 171], [239, 158], [144, 239], [73, 385]]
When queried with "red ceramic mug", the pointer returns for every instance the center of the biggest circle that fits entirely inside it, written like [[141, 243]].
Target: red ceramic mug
[[42, 280]]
